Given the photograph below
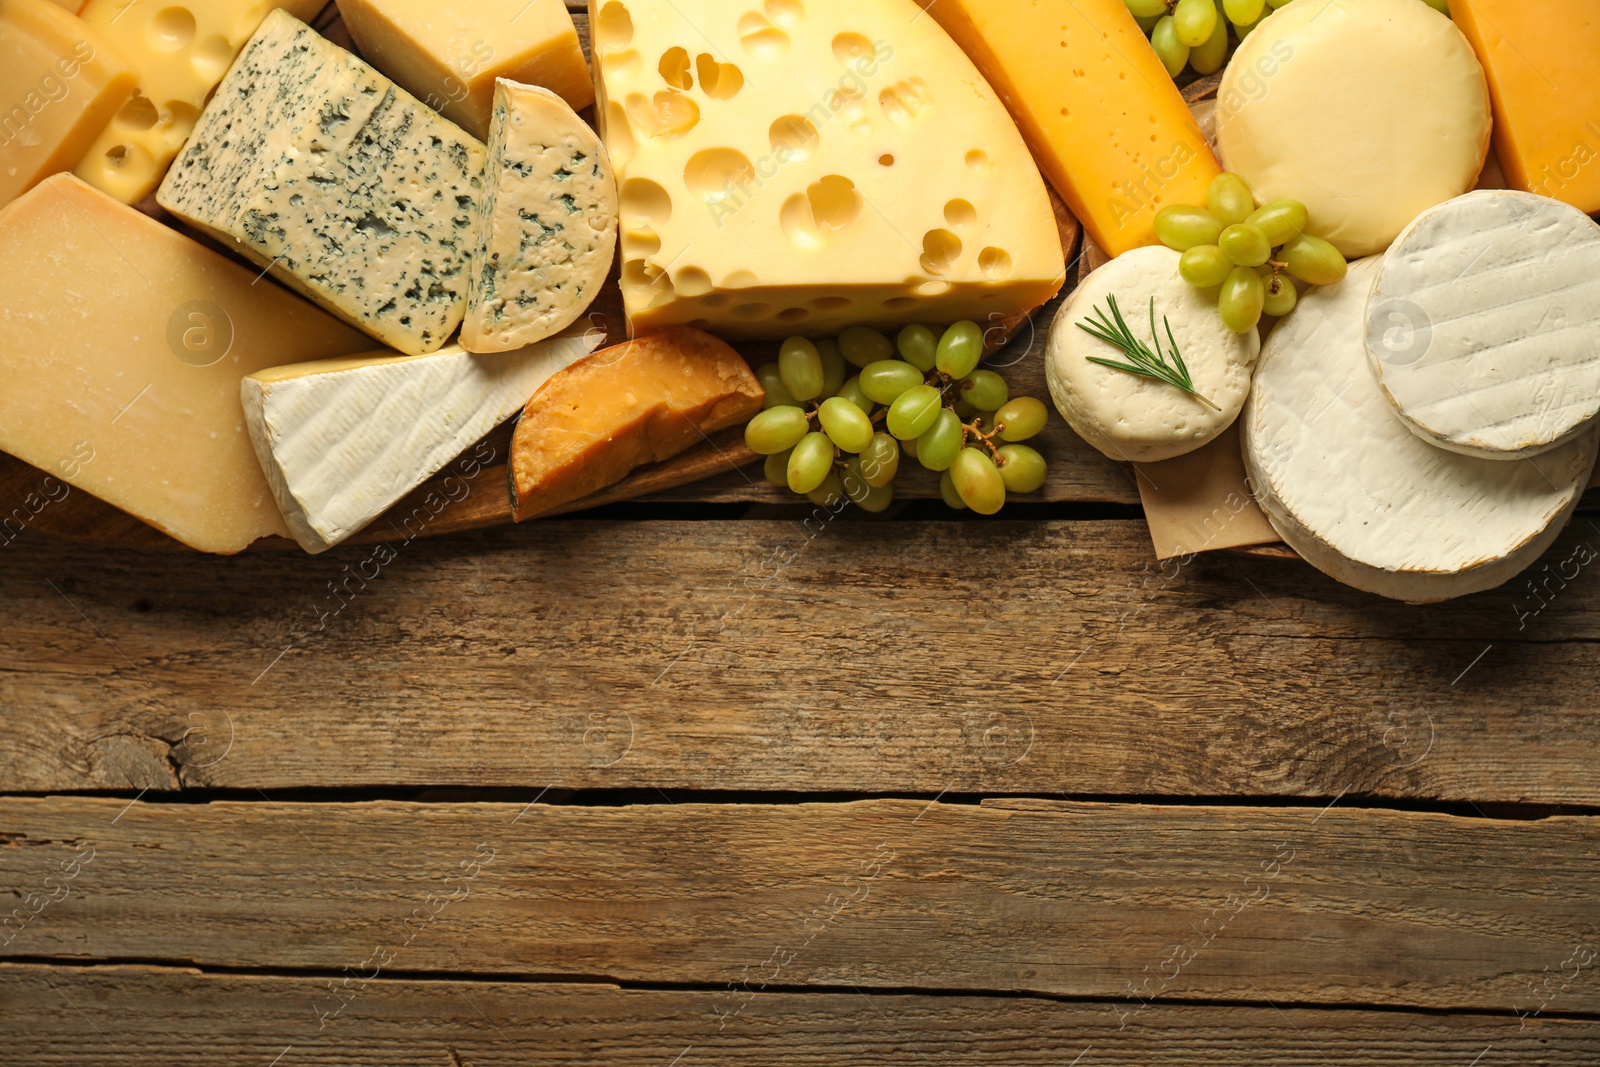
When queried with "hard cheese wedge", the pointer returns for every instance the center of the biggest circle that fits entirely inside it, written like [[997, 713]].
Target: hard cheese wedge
[[547, 223], [449, 52], [1540, 59], [1105, 121], [60, 83], [340, 183], [802, 167], [343, 439], [180, 52], [126, 341], [635, 403]]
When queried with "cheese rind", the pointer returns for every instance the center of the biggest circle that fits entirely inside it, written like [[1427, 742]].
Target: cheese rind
[[809, 166], [60, 83], [123, 335], [1128, 417], [179, 52], [341, 440], [1116, 138], [547, 223], [1367, 111], [337, 181], [450, 52], [1484, 327], [1366, 501]]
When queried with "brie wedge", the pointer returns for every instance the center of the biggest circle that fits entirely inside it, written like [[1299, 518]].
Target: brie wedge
[[1365, 500], [1484, 327]]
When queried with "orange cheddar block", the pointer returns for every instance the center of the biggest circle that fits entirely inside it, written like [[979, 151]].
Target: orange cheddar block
[[639, 402], [60, 83], [1110, 130], [1543, 64]]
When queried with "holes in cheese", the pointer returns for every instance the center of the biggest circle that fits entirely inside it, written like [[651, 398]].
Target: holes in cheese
[[635, 403]]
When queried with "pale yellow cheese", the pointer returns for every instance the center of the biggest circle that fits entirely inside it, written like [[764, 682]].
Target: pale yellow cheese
[[794, 167], [448, 53], [180, 52], [124, 341], [60, 83]]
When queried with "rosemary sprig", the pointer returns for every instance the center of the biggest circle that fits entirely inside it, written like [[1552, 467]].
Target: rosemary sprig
[[1141, 359]]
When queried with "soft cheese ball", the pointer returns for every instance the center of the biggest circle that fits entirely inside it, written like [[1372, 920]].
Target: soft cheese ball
[[1367, 111], [1138, 419]]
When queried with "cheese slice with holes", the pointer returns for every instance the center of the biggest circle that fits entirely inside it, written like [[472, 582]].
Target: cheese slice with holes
[[343, 439], [547, 222], [1484, 327], [797, 166], [1364, 499]]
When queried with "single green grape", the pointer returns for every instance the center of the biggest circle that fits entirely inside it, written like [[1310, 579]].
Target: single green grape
[[1281, 220], [880, 460], [1147, 23], [862, 493], [914, 411], [845, 424], [884, 380], [1230, 199], [984, 390], [1208, 56], [947, 489], [810, 462], [851, 391], [1243, 12], [862, 345], [977, 480], [1193, 21], [960, 349], [939, 446], [1441, 6], [1275, 4], [918, 346], [834, 368], [1204, 265], [1173, 53], [1242, 298], [1021, 418], [909, 447], [1183, 226], [829, 493], [1147, 8], [1245, 245], [800, 367], [964, 407], [1281, 297], [772, 384], [776, 468], [1021, 468], [1313, 260], [776, 430]]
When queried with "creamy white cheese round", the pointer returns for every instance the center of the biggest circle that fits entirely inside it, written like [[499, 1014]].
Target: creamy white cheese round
[[1138, 419], [1365, 500], [1484, 327]]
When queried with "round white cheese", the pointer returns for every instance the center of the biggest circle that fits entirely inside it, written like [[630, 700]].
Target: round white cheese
[[1138, 419], [1367, 111], [1365, 500], [1484, 327]]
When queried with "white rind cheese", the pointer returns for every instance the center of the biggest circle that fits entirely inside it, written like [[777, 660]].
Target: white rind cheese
[[547, 222], [1484, 327], [341, 440], [1365, 500], [343, 185], [1130, 418]]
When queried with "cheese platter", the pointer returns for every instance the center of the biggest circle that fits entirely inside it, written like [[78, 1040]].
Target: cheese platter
[[336, 247]]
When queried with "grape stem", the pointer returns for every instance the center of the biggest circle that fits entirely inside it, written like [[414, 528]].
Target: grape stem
[[976, 430]]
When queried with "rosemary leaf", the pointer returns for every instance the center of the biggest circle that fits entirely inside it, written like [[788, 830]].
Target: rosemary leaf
[[1142, 360]]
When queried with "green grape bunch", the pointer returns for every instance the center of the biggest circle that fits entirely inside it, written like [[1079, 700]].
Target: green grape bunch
[[1194, 33], [1251, 256], [831, 435]]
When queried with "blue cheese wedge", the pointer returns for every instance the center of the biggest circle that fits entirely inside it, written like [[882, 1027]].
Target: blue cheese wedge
[[342, 185], [547, 222]]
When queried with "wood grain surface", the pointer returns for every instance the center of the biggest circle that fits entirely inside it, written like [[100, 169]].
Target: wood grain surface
[[147, 1017]]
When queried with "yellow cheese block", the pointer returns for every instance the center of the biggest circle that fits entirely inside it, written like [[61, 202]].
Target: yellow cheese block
[[180, 52], [122, 346], [794, 167], [448, 53], [1107, 125], [1543, 64], [60, 83]]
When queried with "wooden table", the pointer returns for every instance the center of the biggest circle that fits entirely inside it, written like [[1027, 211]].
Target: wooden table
[[710, 779]]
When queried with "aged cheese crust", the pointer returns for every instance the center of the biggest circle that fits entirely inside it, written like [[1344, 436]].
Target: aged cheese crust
[[343, 185], [547, 222]]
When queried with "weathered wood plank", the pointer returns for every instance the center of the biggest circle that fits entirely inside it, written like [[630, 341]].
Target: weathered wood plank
[[1338, 906], [993, 657], [142, 1017]]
